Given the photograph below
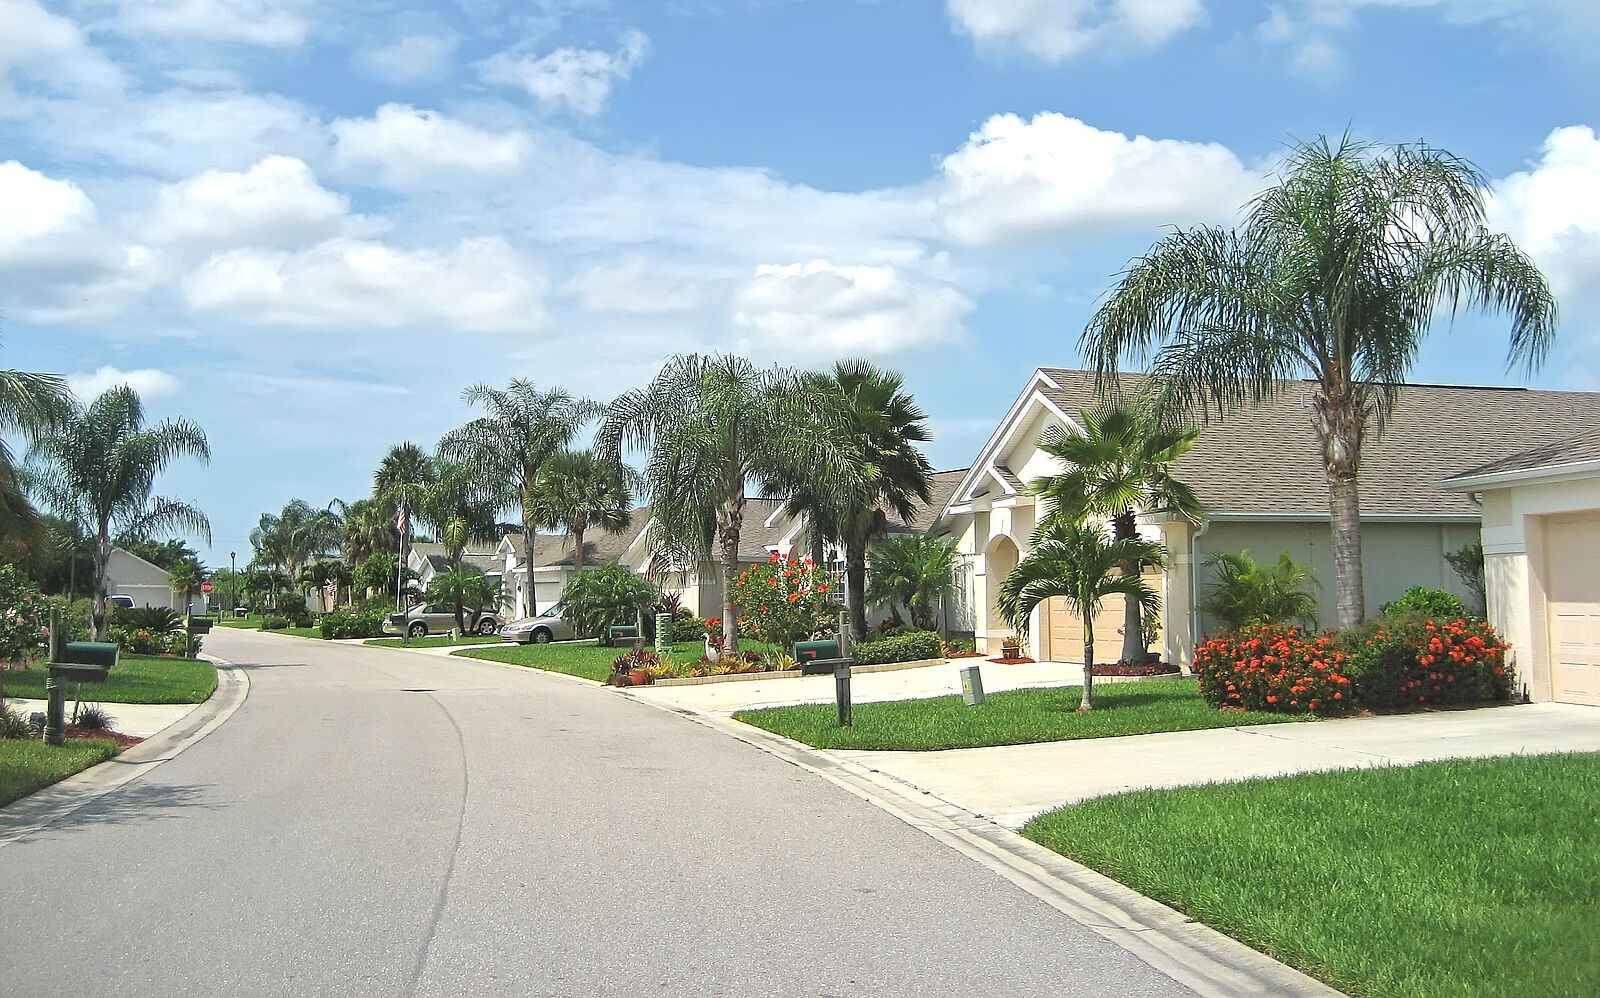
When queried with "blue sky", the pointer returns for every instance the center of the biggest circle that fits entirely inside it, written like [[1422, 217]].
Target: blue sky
[[309, 231]]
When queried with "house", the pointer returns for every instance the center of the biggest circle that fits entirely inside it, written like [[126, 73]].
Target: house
[[146, 584], [554, 558], [1259, 477], [427, 559], [1541, 545]]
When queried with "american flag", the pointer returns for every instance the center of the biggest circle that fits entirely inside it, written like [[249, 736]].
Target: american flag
[[401, 520]]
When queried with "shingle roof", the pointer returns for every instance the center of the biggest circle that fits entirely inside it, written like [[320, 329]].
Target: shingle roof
[[1267, 459], [1572, 449], [941, 486], [599, 547]]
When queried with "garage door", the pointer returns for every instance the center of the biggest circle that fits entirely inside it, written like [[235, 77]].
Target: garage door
[[1065, 628], [1574, 608]]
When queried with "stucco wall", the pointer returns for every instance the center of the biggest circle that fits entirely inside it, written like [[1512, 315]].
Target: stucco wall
[[146, 584]]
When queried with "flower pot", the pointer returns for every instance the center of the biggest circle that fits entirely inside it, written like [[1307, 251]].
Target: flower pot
[[638, 677]]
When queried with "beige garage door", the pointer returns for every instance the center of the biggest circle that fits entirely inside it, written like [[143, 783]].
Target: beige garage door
[[1574, 607], [1064, 629]]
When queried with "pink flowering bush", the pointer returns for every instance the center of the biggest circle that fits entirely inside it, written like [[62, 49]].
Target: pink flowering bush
[[24, 626]]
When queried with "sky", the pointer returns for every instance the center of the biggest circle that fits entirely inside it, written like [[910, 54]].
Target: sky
[[308, 226]]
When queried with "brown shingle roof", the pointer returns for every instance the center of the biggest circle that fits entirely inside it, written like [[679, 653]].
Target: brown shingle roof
[[1574, 449], [941, 486], [1267, 459], [599, 547]]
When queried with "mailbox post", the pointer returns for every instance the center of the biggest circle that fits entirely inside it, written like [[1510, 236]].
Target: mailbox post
[[71, 662], [841, 690]]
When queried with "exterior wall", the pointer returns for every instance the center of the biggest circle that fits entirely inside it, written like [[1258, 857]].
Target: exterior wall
[[147, 585]]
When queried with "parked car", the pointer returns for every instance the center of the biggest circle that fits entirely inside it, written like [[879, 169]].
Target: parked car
[[120, 599], [438, 618], [540, 630]]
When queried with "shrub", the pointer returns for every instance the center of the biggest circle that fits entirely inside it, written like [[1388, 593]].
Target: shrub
[[606, 596], [364, 623], [1246, 593], [275, 622], [138, 641], [1273, 667], [93, 717], [1416, 661], [156, 619], [1441, 604], [12, 723], [23, 615], [784, 599], [913, 647]]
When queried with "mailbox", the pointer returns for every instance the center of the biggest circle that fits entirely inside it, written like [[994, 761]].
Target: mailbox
[[814, 656], [618, 631], [85, 661], [199, 625]]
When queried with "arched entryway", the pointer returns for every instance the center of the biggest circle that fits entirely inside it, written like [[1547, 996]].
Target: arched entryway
[[1000, 560]]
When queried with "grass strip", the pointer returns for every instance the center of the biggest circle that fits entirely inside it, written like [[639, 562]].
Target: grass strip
[[134, 679]]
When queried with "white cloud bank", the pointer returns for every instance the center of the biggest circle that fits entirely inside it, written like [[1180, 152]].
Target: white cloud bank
[[278, 201], [412, 59], [406, 148], [576, 80], [1553, 210], [265, 23], [149, 382], [1056, 30]]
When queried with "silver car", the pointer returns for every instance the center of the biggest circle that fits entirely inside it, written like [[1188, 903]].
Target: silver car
[[438, 618], [540, 630]]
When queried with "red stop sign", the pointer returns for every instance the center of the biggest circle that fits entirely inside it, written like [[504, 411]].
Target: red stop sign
[[206, 588]]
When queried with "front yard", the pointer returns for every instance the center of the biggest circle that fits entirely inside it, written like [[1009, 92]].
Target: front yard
[[1454, 878], [584, 659], [436, 641], [134, 679], [1013, 718], [27, 765]]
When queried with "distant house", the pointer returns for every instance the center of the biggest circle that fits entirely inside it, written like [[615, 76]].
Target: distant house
[[146, 584], [427, 559], [553, 564]]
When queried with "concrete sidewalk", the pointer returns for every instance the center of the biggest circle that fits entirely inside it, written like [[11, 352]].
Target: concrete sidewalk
[[1010, 784], [138, 719]]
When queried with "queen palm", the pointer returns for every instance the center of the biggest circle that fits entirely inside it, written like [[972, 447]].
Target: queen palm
[[296, 535], [1336, 275], [1075, 560], [709, 426], [30, 405], [1117, 470], [100, 469], [524, 428], [459, 507], [580, 490], [913, 570]]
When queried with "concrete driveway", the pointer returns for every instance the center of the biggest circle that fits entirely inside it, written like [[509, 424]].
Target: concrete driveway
[[1010, 784]]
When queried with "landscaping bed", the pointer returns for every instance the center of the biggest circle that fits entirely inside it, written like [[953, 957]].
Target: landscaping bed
[[1122, 670], [1010, 718], [584, 659], [134, 679], [28, 764], [1453, 878], [438, 641]]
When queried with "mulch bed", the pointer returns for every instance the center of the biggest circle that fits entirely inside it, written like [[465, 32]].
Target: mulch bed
[[123, 741], [966, 654], [1024, 660], [1110, 669]]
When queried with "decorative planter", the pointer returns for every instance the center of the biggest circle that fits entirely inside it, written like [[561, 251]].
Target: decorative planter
[[1010, 649], [638, 677]]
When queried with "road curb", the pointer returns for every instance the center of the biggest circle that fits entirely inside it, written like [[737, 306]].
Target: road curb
[[22, 818], [1193, 954]]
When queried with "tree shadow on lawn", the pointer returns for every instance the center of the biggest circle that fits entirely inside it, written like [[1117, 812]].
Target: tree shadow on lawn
[[1068, 703]]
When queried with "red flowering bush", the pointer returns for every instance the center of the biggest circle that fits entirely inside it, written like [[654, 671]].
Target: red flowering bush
[[784, 599], [1275, 667], [1417, 661]]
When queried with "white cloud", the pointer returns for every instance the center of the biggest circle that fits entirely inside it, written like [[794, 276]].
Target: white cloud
[[277, 201], [1015, 179], [264, 23], [38, 208], [50, 48], [404, 148], [417, 58], [820, 310], [149, 382], [634, 286], [1055, 30], [1552, 210], [576, 80], [352, 286]]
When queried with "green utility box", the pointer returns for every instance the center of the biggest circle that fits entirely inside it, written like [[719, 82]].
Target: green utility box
[[663, 633], [619, 632]]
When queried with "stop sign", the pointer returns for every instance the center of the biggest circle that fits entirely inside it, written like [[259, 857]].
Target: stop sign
[[206, 588]]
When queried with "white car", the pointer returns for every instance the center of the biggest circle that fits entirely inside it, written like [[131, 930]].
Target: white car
[[540, 630]]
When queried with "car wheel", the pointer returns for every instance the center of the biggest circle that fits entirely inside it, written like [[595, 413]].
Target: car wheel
[[541, 637], [486, 625], [418, 630]]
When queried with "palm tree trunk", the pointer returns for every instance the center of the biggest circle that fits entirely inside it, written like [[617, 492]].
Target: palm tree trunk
[[1088, 666], [855, 571], [1133, 649], [730, 520], [579, 526], [1344, 501], [527, 562], [102, 563], [819, 545]]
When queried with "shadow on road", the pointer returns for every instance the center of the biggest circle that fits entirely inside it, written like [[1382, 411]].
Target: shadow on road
[[136, 802]]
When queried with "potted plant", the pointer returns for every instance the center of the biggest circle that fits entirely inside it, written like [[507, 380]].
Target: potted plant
[[1011, 647]]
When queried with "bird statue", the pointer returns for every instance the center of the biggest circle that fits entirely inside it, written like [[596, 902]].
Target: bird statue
[[713, 653]]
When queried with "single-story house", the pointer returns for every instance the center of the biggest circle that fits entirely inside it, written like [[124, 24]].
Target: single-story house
[[1541, 545], [554, 556], [427, 559], [146, 584], [1259, 476]]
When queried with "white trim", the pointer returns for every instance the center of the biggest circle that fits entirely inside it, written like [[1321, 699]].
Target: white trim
[[1464, 518], [1501, 479]]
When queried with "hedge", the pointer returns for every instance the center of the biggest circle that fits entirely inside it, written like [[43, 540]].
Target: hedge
[[913, 647]]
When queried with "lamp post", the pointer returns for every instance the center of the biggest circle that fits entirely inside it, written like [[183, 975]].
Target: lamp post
[[233, 582]]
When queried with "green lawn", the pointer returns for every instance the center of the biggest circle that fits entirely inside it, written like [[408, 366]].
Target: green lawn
[[251, 622], [134, 679], [1453, 878], [27, 765], [1013, 718], [436, 641], [584, 659]]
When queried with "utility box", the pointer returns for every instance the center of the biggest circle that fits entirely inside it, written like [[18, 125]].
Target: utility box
[[663, 633], [972, 686]]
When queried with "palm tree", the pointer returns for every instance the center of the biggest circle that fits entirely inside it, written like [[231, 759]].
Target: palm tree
[[185, 578], [1074, 559], [366, 527], [30, 405], [1336, 275], [316, 576], [710, 425], [401, 473], [1249, 593], [100, 468], [524, 429], [467, 588], [459, 507], [884, 425], [579, 490], [913, 570], [1117, 470], [295, 536]]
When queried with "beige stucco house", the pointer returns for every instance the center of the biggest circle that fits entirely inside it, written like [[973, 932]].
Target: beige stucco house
[[1541, 543], [146, 584], [1258, 473]]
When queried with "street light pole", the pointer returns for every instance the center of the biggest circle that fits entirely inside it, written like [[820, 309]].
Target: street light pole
[[233, 582]]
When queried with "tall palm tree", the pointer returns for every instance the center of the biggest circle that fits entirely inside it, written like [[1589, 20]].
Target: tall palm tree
[[293, 537], [1118, 469], [712, 424], [367, 528], [100, 468], [581, 489], [913, 570], [30, 405], [1336, 275], [524, 428], [459, 507], [883, 427], [403, 470], [1074, 559]]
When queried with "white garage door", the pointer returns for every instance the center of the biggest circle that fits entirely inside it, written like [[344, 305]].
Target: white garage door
[[1574, 608]]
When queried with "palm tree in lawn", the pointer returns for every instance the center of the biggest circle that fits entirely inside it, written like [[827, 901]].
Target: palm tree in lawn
[[913, 570], [580, 490], [296, 535], [100, 469], [1076, 560], [402, 473], [1336, 275], [884, 426], [185, 579], [711, 424], [30, 405], [1119, 469], [366, 528], [316, 576], [459, 508], [524, 428]]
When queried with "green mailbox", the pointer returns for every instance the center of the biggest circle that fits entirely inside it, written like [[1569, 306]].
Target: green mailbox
[[86, 661], [199, 625], [620, 631], [809, 653]]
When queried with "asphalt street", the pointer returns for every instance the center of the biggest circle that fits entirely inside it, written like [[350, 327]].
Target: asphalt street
[[383, 822]]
